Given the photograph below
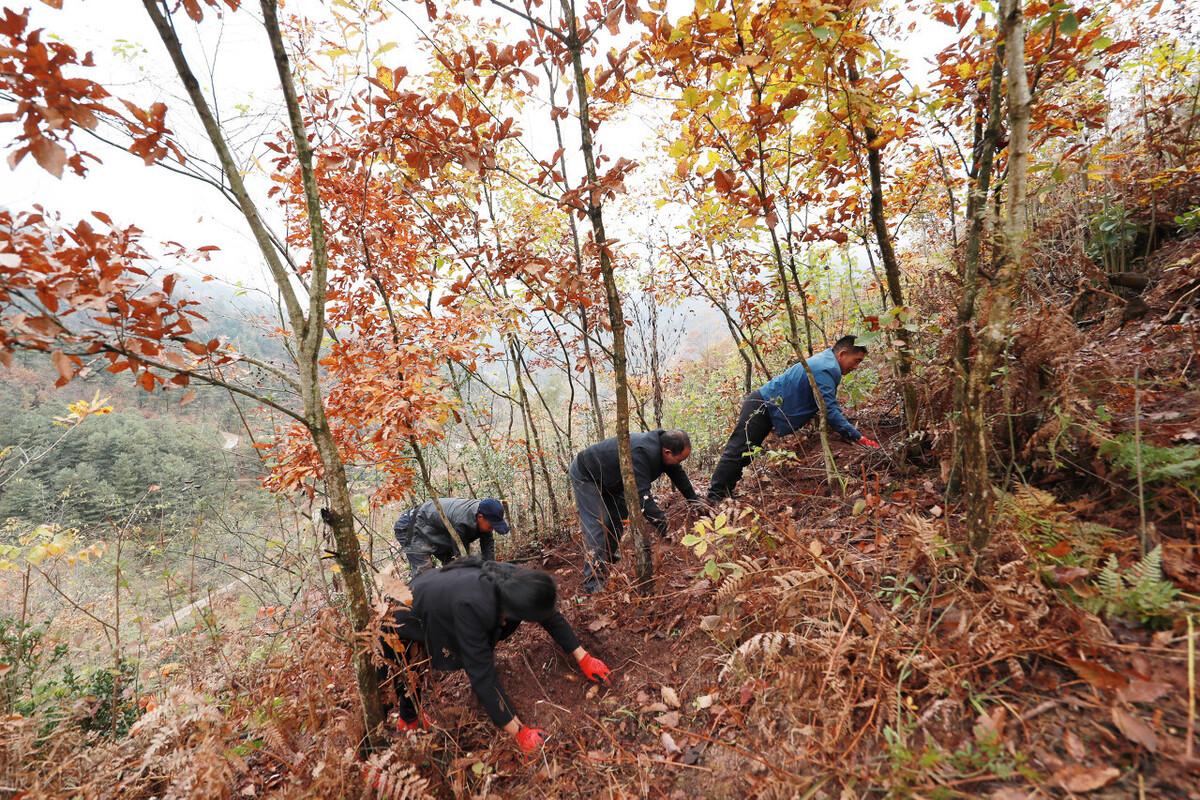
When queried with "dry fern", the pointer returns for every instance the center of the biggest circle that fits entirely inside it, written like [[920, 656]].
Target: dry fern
[[733, 583], [792, 581], [767, 645], [926, 536], [387, 779]]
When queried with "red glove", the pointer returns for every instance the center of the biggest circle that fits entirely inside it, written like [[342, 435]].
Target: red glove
[[421, 723], [865, 442], [594, 669], [530, 739]]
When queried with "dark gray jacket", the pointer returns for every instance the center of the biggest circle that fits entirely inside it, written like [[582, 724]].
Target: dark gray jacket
[[420, 530], [600, 464]]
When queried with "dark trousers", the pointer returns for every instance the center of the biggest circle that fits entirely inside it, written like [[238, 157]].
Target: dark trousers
[[752, 427], [402, 643], [602, 516], [418, 560]]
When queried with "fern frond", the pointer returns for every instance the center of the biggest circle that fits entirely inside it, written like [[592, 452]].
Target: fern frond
[[790, 581], [766, 645], [742, 570], [387, 779]]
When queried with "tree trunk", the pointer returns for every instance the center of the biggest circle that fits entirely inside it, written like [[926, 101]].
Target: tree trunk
[[531, 426], [998, 305], [643, 558], [970, 444], [307, 332], [891, 266], [655, 365], [341, 509]]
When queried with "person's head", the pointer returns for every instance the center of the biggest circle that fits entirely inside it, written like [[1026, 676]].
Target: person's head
[[848, 354], [676, 447], [525, 594], [490, 516]]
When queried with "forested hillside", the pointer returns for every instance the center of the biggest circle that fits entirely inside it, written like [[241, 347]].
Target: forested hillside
[[275, 278]]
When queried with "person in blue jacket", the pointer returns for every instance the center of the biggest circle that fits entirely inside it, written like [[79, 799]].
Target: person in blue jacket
[[785, 405]]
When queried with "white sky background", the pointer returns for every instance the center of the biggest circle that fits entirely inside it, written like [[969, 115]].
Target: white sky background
[[173, 207]]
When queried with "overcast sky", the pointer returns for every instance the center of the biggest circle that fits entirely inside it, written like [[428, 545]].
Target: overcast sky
[[132, 63]]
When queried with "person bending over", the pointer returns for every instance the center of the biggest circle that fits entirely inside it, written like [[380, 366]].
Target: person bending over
[[600, 493], [423, 535], [785, 405], [458, 615]]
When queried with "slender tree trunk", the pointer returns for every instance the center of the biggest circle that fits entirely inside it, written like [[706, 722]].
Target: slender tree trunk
[[341, 508], [997, 309], [555, 514], [970, 436], [655, 365], [592, 390], [891, 265], [643, 558], [308, 332]]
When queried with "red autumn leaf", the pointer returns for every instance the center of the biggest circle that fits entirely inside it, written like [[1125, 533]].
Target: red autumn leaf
[[1098, 676], [62, 363]]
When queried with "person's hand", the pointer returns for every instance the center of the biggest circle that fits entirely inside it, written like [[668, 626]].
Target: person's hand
[[530, 739], [865, 442], [594, 669]]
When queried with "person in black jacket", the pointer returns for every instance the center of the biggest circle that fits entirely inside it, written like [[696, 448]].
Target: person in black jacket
[[459, 613], [600, 494]]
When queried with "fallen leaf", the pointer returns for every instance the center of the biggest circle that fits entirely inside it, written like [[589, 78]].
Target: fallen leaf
[[1011, 793], [599, 624], [1134, 729], [670, 719], [668, 743], [1096, 675], [814, 547], [1078, 778], [704, 701], [655, 708], [1064, 575], [710, 622], [1075, 746], [935, 512], [692, 755], [1139, 691], [1059, 550], [670, 697], [592, 692], [597, 755]]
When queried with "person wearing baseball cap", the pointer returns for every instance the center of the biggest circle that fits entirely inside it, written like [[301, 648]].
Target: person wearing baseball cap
[[423, 535]]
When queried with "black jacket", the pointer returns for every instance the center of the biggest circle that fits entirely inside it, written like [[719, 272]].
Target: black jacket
[[426, 533], [459, 613], [600, 464]]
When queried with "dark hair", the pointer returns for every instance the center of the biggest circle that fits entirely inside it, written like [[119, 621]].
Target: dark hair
[[846, 344], [525, 594], [675, 442]]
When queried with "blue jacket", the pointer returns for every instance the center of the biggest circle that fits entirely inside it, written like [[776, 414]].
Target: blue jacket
[[790, 400]]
